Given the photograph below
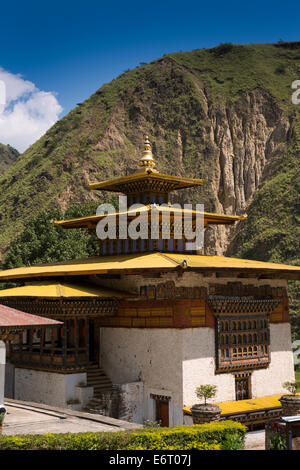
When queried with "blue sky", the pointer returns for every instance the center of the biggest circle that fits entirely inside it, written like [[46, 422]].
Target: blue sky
[[71, 48]]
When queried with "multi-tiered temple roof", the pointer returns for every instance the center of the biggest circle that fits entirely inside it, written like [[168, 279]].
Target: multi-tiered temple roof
[[149, 187]]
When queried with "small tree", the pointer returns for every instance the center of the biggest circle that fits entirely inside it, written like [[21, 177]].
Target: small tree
[[291, 387], [206, 392]]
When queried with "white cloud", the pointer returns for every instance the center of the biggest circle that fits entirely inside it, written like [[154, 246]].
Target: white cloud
[[28, 112]]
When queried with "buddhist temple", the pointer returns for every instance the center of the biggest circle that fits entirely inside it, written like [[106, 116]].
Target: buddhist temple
[[151, 318]]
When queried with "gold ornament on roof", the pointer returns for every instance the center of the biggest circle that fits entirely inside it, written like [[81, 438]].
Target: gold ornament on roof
[[147, 163]]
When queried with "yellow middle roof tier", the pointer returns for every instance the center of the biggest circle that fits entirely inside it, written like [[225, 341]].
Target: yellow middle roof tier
[[150, 261], [52, 289], [209, 218]]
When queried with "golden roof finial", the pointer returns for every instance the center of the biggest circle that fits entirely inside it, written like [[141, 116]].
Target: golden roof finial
[[147, 162]]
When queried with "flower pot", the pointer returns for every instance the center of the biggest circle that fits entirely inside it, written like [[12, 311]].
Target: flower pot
[[205, 413], [290, 405]]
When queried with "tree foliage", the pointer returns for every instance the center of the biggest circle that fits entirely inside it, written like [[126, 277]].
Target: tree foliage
[[206, 392], [42, 242]]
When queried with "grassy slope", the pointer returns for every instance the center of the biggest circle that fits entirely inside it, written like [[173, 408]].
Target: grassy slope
[[8, 156]]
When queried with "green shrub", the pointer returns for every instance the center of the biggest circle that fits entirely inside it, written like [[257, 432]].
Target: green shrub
[[278, 442], [291, 387], [206, 392], [212, 436]]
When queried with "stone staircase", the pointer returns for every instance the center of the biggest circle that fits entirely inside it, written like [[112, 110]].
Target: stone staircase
[[97, 378], [101, 403]]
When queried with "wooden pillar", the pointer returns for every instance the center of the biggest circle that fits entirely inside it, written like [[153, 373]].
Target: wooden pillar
[[230, 341], [30, 340], [20, 342], [76, 326], [87, 342], [42, 342], [52, 344], [64, 344]]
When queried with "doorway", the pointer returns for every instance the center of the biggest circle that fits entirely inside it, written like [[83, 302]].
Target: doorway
[[94, 342], [242, 386], [162, 413], [161, 409]]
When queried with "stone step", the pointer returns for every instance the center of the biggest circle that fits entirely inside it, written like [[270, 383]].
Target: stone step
[[97, 379], [99, 382], [96, 373], [95, 376], [101, 389]]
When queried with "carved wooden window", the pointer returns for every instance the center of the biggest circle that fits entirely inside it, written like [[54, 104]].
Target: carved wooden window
[[242, 343]]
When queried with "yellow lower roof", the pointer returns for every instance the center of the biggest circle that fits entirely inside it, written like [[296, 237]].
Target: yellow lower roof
[[149, 261], [245, 406], [55, 290]]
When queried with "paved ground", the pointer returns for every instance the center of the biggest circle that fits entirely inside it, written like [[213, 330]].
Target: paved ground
[[33, 418], [255, 440], [23, 418]]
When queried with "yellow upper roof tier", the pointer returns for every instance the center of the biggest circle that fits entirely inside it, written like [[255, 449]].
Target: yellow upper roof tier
[[91, 221], [146, 178], [50, 289], [146, 181], [151, 262]]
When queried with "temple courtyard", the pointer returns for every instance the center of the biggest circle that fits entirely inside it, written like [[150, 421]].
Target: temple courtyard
[[35, 418]]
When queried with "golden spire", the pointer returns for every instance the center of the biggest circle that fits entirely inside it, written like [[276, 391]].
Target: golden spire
[[147, 162]]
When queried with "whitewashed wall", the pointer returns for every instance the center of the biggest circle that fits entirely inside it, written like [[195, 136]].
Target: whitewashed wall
[[46, 387], [198, 366], [269, 381], [152, 356], [131, 402], [173, 362]]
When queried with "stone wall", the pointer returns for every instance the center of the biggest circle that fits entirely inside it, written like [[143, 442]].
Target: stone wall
[[46, 387], [151, 356], [130, 402]]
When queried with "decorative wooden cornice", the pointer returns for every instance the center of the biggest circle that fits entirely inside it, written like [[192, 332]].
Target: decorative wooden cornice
[[238, 305]]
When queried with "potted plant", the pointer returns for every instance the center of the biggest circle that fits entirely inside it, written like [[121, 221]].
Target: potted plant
[[204, 412], [290, 403]]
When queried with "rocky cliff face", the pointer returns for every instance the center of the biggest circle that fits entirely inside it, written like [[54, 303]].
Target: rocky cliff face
[[249, 138], [244, 143]]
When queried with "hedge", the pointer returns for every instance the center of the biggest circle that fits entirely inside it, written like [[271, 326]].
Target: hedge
[[212, 436]]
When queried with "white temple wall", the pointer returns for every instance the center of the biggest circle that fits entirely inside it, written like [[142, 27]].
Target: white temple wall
[[131, 402], [173, 362], [198, 363], [281, 369], [46, 387], [152, 356]]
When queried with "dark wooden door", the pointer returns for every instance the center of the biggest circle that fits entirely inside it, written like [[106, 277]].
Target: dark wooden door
[[162, 413]]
